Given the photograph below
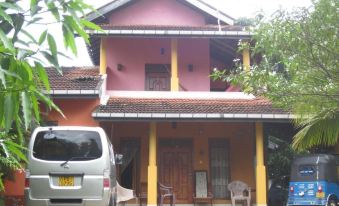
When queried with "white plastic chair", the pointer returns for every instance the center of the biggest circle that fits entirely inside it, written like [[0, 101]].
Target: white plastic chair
[[124, 194], [240, 191]]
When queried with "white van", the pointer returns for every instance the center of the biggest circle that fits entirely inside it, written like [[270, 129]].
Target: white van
[[70, 166]]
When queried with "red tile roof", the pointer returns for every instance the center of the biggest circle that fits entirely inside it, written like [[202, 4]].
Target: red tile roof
[[74, 78], [192, 106]]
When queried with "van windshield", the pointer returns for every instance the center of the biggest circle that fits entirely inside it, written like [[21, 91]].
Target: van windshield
[[67, 145]]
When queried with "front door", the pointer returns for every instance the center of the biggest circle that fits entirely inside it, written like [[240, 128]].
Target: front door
[[175, 167]]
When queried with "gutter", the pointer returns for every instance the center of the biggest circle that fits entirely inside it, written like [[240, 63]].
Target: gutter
[[172, 33], [191, 116]]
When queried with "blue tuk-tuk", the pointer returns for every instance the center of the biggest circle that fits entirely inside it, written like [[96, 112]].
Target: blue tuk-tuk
[[314, 180]]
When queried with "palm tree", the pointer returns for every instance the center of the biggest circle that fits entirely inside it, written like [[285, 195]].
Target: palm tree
[[321, 129]]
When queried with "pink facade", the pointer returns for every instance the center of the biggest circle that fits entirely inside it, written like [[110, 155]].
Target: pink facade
[[159, 12], [135, 53]]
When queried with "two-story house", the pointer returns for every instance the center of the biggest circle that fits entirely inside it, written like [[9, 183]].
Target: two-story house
[[152, 93]]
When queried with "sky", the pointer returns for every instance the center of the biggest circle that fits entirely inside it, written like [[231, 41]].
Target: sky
[[234, 8]]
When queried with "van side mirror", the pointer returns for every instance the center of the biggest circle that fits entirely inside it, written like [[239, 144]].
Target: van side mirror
[[118, 159]]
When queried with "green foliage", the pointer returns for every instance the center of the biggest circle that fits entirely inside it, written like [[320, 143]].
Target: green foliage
[[298, 69], [279, 161], [24, 82]]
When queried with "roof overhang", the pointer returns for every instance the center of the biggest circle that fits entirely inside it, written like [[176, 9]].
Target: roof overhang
[[171, 33]]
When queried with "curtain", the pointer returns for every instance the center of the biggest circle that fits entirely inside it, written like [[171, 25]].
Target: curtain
[[219, 163]]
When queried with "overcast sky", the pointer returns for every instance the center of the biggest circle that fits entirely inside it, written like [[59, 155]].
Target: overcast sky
[[234, 8]]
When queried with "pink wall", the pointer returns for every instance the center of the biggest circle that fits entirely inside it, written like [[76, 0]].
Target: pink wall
[[159, 12], [134, 53]]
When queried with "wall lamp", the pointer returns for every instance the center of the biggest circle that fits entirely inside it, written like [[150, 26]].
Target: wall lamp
[[120, 67], [190, 67]]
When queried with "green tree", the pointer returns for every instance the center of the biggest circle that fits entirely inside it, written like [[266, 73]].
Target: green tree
[[23, 80], [297, 67]]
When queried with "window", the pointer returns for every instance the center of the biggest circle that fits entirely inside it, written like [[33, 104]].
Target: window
[[157, 77], [219, 167], [63, 145]]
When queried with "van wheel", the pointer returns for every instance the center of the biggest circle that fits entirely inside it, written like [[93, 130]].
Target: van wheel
[[332, 202]]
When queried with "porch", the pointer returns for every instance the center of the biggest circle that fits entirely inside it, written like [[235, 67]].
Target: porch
[[225, 150], [167, 137]]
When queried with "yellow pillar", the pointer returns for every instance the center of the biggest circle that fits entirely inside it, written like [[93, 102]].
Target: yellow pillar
[[174, 65], [246, 58], [261, 190], [152, 167], [337, 148], [103, 63]]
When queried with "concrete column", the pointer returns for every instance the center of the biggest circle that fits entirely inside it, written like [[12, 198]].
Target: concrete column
[[261, 184], [103, 62], [174, 65], [337, 148], [246, 59], [152, 178]]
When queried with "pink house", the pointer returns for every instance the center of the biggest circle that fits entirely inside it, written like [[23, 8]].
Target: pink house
[[152, 93]]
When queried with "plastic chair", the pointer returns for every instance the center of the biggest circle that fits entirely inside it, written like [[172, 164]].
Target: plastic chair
[[124, 194], [240, 191], [165, 192]]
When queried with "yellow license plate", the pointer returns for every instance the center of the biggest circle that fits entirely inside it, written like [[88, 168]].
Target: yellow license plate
[[320, 194], [66, 181]]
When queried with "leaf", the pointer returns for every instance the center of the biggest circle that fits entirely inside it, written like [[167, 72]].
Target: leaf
[[29, 36], [9, 73], [7, 43], [48, 102], [54, 9], [36, 110], [18, 20], [33, 7], [9, 111], [15, 149], [51, 60], [43, 75], [52, 46], [34, 20], [6, 27], [90, 25], [74, 25], [6, 17], [42, 37], [69, 40], [13, 6], [26, 108], [2, 77], [2, 110]]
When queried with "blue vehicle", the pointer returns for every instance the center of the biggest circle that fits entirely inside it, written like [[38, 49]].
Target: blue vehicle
[[314, 180]]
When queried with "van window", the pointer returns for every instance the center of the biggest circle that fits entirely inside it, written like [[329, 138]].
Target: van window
[[63, 145]]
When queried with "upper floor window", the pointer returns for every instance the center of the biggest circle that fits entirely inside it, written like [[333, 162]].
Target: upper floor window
[[157, 77]]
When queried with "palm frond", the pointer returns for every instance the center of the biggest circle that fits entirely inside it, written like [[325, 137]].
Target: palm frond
[[321, 129]]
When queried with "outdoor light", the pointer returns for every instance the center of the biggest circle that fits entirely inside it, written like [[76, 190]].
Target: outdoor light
[[120, 67], [162, 51], [190, 67]]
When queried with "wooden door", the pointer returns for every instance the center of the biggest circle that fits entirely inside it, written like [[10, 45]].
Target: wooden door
[[175, 167], [157, 77]]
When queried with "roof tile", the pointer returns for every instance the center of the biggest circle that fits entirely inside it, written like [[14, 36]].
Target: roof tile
[[189, 106], [74, 78]]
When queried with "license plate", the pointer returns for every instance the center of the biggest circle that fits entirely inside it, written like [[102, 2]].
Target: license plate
[[66, 181], [320, 194]]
